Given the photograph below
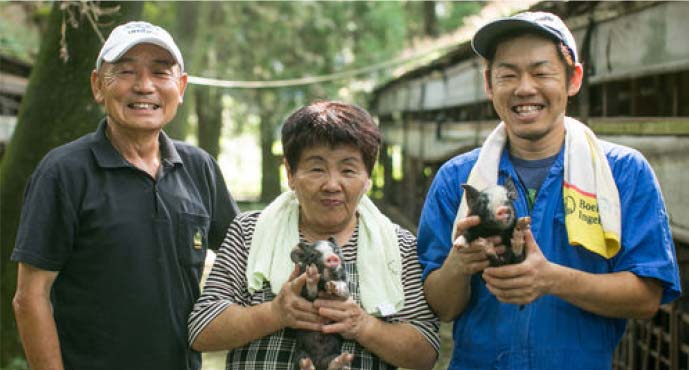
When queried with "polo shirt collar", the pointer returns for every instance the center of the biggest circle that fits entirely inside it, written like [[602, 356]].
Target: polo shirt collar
[[108, 157], [168, 151]]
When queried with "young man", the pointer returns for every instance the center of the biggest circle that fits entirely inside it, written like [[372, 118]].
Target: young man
[[115, 225], [599, 250]]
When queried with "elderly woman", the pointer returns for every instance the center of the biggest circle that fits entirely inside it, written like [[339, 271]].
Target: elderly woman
[[252, 294]]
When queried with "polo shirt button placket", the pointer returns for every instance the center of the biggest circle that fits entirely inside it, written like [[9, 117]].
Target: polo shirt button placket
[[155, 199]]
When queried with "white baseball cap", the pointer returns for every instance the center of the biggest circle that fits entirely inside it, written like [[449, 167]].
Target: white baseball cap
[[128, 35]]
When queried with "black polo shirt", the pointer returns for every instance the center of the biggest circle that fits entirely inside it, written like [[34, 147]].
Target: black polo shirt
[[129, 249]]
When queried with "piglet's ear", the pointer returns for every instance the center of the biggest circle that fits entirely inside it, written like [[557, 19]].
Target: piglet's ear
[[298, 254], [332, 240], [472, 195]]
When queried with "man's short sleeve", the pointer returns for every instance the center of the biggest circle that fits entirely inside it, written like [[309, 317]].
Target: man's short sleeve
[[647, 246], [48, 222], [437, 218]]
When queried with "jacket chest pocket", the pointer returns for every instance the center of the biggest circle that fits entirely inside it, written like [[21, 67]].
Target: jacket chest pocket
[[192, 238]]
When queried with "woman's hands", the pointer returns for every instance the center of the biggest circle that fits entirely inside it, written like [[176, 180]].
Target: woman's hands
[[346, 318], [329, 315], [291, 309]]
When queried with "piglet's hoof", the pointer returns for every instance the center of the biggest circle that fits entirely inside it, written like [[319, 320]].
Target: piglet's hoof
[[523, 223], [331, 287], [517, 241], [341, 362], [306, 364], [336, 288]]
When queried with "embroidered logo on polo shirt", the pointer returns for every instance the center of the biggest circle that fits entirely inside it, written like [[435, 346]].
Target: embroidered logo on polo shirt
[[198, 240]]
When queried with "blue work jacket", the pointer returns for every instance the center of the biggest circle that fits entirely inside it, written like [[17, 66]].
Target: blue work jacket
[[550, 333]]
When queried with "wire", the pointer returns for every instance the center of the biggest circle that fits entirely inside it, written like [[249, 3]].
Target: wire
[[310, 80]]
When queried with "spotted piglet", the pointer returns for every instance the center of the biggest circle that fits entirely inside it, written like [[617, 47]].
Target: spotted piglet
[[316, 350], [494, 205]]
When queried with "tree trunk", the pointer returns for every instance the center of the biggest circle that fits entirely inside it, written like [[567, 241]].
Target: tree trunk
[[209, 113], [430, 19], [386, 161], [185, 35], [209, 99], [178, 128], [58, 107], [270, 164]]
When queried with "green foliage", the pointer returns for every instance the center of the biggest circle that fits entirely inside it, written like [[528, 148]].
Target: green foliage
[[449, 15], [16, 363], [452, 13], [380, 34], [161, 13], [19, 34]]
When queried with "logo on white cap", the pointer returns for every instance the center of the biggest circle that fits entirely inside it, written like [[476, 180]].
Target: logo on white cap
[[126, 36]]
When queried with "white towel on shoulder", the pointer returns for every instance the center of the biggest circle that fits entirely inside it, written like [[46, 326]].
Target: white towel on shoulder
[[590, 195], [379, 262]]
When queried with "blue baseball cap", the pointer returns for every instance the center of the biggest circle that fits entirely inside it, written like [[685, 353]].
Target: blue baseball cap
[[546, 23]]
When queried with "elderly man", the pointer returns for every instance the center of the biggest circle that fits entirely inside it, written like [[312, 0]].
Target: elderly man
[[599, 249], [115, 225]]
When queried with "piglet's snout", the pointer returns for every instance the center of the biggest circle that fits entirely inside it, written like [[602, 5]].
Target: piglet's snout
[[332, 261], [503, 213]]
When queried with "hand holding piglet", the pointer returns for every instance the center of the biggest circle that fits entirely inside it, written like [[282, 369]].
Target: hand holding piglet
[[291, 308], [472, 257], [524, 282], [348, 318]]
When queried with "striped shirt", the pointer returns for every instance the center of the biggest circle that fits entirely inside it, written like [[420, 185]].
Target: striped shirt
[[227, 285]]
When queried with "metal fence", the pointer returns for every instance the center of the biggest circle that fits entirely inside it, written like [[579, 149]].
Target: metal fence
[[661, 343]]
